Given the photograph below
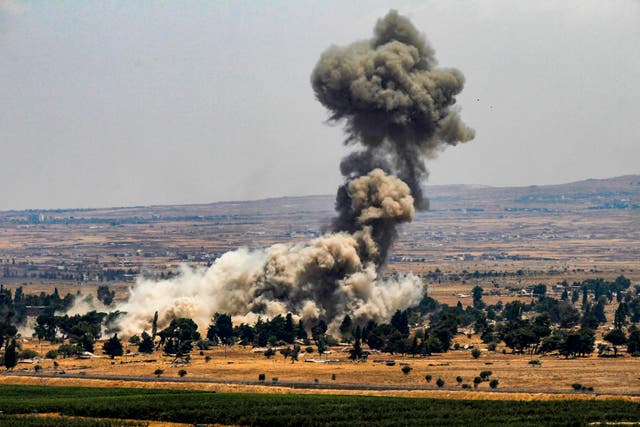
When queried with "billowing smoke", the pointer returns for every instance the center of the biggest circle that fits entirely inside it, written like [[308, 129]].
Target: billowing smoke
[[398, 106], [396, 103]]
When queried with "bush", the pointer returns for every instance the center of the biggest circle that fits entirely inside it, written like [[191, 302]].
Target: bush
[[37, 368], [576, 386], [158, 372], [475, 353], [428, 378], [466, 386], [269, 353], [535, 362], [261, 377], [476, 381], [309, 349], [274, 379], [333, 377], [207, 358], [492, 346], [182, 373], [493, 383], [28, 354], [440, 382], [485, 375], [406, 369], [458, 379], [51, 354]]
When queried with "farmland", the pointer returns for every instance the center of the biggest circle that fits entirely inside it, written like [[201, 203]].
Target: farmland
[[504, 241], [295, 410]]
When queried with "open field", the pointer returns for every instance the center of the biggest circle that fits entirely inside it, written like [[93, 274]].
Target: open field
[[616, 376], [307, 410], [500, 239]]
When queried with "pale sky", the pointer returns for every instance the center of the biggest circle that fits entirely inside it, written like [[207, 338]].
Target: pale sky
[[108, 103]]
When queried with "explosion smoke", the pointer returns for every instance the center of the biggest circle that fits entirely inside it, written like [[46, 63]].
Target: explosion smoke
[[396, 103], [399, 107]]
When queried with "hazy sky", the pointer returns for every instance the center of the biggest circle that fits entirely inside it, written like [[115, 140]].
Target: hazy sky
[[127, 103]]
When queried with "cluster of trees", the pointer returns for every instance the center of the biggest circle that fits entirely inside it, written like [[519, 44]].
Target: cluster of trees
[[543, 324]]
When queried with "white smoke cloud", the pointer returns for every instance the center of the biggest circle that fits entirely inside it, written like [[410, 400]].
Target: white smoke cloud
[[323, 277]]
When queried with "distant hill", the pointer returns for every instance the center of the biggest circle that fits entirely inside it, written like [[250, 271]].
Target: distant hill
[[621, 192]]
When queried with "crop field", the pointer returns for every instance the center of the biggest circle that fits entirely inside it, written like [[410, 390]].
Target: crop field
[[304, 410]]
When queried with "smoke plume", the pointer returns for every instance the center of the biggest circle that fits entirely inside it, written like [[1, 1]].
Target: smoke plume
[[398, 107], [396, 103]]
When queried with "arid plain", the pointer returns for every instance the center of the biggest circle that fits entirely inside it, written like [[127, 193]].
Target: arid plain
[[502, 239]]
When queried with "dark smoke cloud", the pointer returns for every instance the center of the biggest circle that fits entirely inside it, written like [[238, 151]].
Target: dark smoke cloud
[[394, 101], [399, 107]]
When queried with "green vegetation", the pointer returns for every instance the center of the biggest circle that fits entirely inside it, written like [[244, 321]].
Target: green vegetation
[[299, 410], [35, 421]]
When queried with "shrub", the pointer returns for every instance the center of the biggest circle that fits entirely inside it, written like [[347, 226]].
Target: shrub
[[37, 368], [493, 383], [475, 353], [158, 372], [456, 346], [466, 386], [476, 381], [428, 378], [459, 379], [333, 377], [269, 353], [535, 362], [51, 354], [576, 386], [182, 373], [315, 380], [309, 349], [28, 354], [207, 358], [406, 369], [261, 377], [485, 375], [492, 346], [440, 382], [274, 379]]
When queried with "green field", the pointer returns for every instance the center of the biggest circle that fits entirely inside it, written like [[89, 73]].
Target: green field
[[303, 410]]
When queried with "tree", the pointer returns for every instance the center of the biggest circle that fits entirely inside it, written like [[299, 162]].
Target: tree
[[356, 350], [494, 383], [154, 326], [146, 343], [578, 343], [620, 316], [345, 327], [7, 331], [179, 337], [301, 332], [113, 347], [105, 295], [477, 297], [221, 330], [616, 337], [540, 290], [158, 372], [475, 353], [400, 321], [633, 341], [289, 329], [440, 382], [182, 373], [10, 355]]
